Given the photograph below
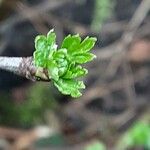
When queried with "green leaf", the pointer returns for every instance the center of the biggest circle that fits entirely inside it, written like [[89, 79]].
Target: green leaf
[[71, 43], [75, 72], [96, 145], [87, 44], [63, 64], [42, 51], [83, 57], [40, 43], [138, 135], [61, 53], [51, 37], [39, 59], [53, 70], [70, 87]]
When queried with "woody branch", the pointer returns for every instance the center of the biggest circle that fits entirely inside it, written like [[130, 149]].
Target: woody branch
[[24, 66]]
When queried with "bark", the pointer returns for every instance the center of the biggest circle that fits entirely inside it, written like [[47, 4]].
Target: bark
[[24, 66]]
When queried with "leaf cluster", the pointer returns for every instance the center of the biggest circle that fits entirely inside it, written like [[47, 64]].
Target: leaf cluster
[[64, 63]]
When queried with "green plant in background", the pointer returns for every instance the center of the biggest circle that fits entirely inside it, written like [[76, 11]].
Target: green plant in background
[[103, 10], [64, 63], [31, 111], [97, 145], [0, 2], [138, 135]]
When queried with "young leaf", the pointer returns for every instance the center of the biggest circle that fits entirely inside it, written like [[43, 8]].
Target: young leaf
[[53, 70], [70, 87], [75, 72], [51, 37], [82, 57], [87, 44], [40, 43], [39, 59], [71, 43], [61, 53], [63, 64]]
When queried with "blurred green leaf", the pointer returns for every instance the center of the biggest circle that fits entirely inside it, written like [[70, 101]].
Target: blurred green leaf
[[30, 111], [56, 140], [138, 135], [96, 146], [104, 9]]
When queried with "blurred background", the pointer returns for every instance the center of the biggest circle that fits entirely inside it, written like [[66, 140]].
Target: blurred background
[[114, 111]]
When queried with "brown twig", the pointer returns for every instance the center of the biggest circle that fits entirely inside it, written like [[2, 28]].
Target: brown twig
[[41, 8], [23, 139], [127, 37], [10, 133], [102, 90], [24, 66]]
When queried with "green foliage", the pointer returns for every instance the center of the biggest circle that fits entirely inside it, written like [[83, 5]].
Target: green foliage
[[103, 10], [28, 112], [64, 64], [96, 146], [56, 140], [138, 135]]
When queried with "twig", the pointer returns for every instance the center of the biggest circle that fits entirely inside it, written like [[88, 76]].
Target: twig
[[41, 8], [22, 139], [138, 17], [117, 51], [24, 67], [102, 90], [25, 10], [25, 140], [10, 133], [129, 33]]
